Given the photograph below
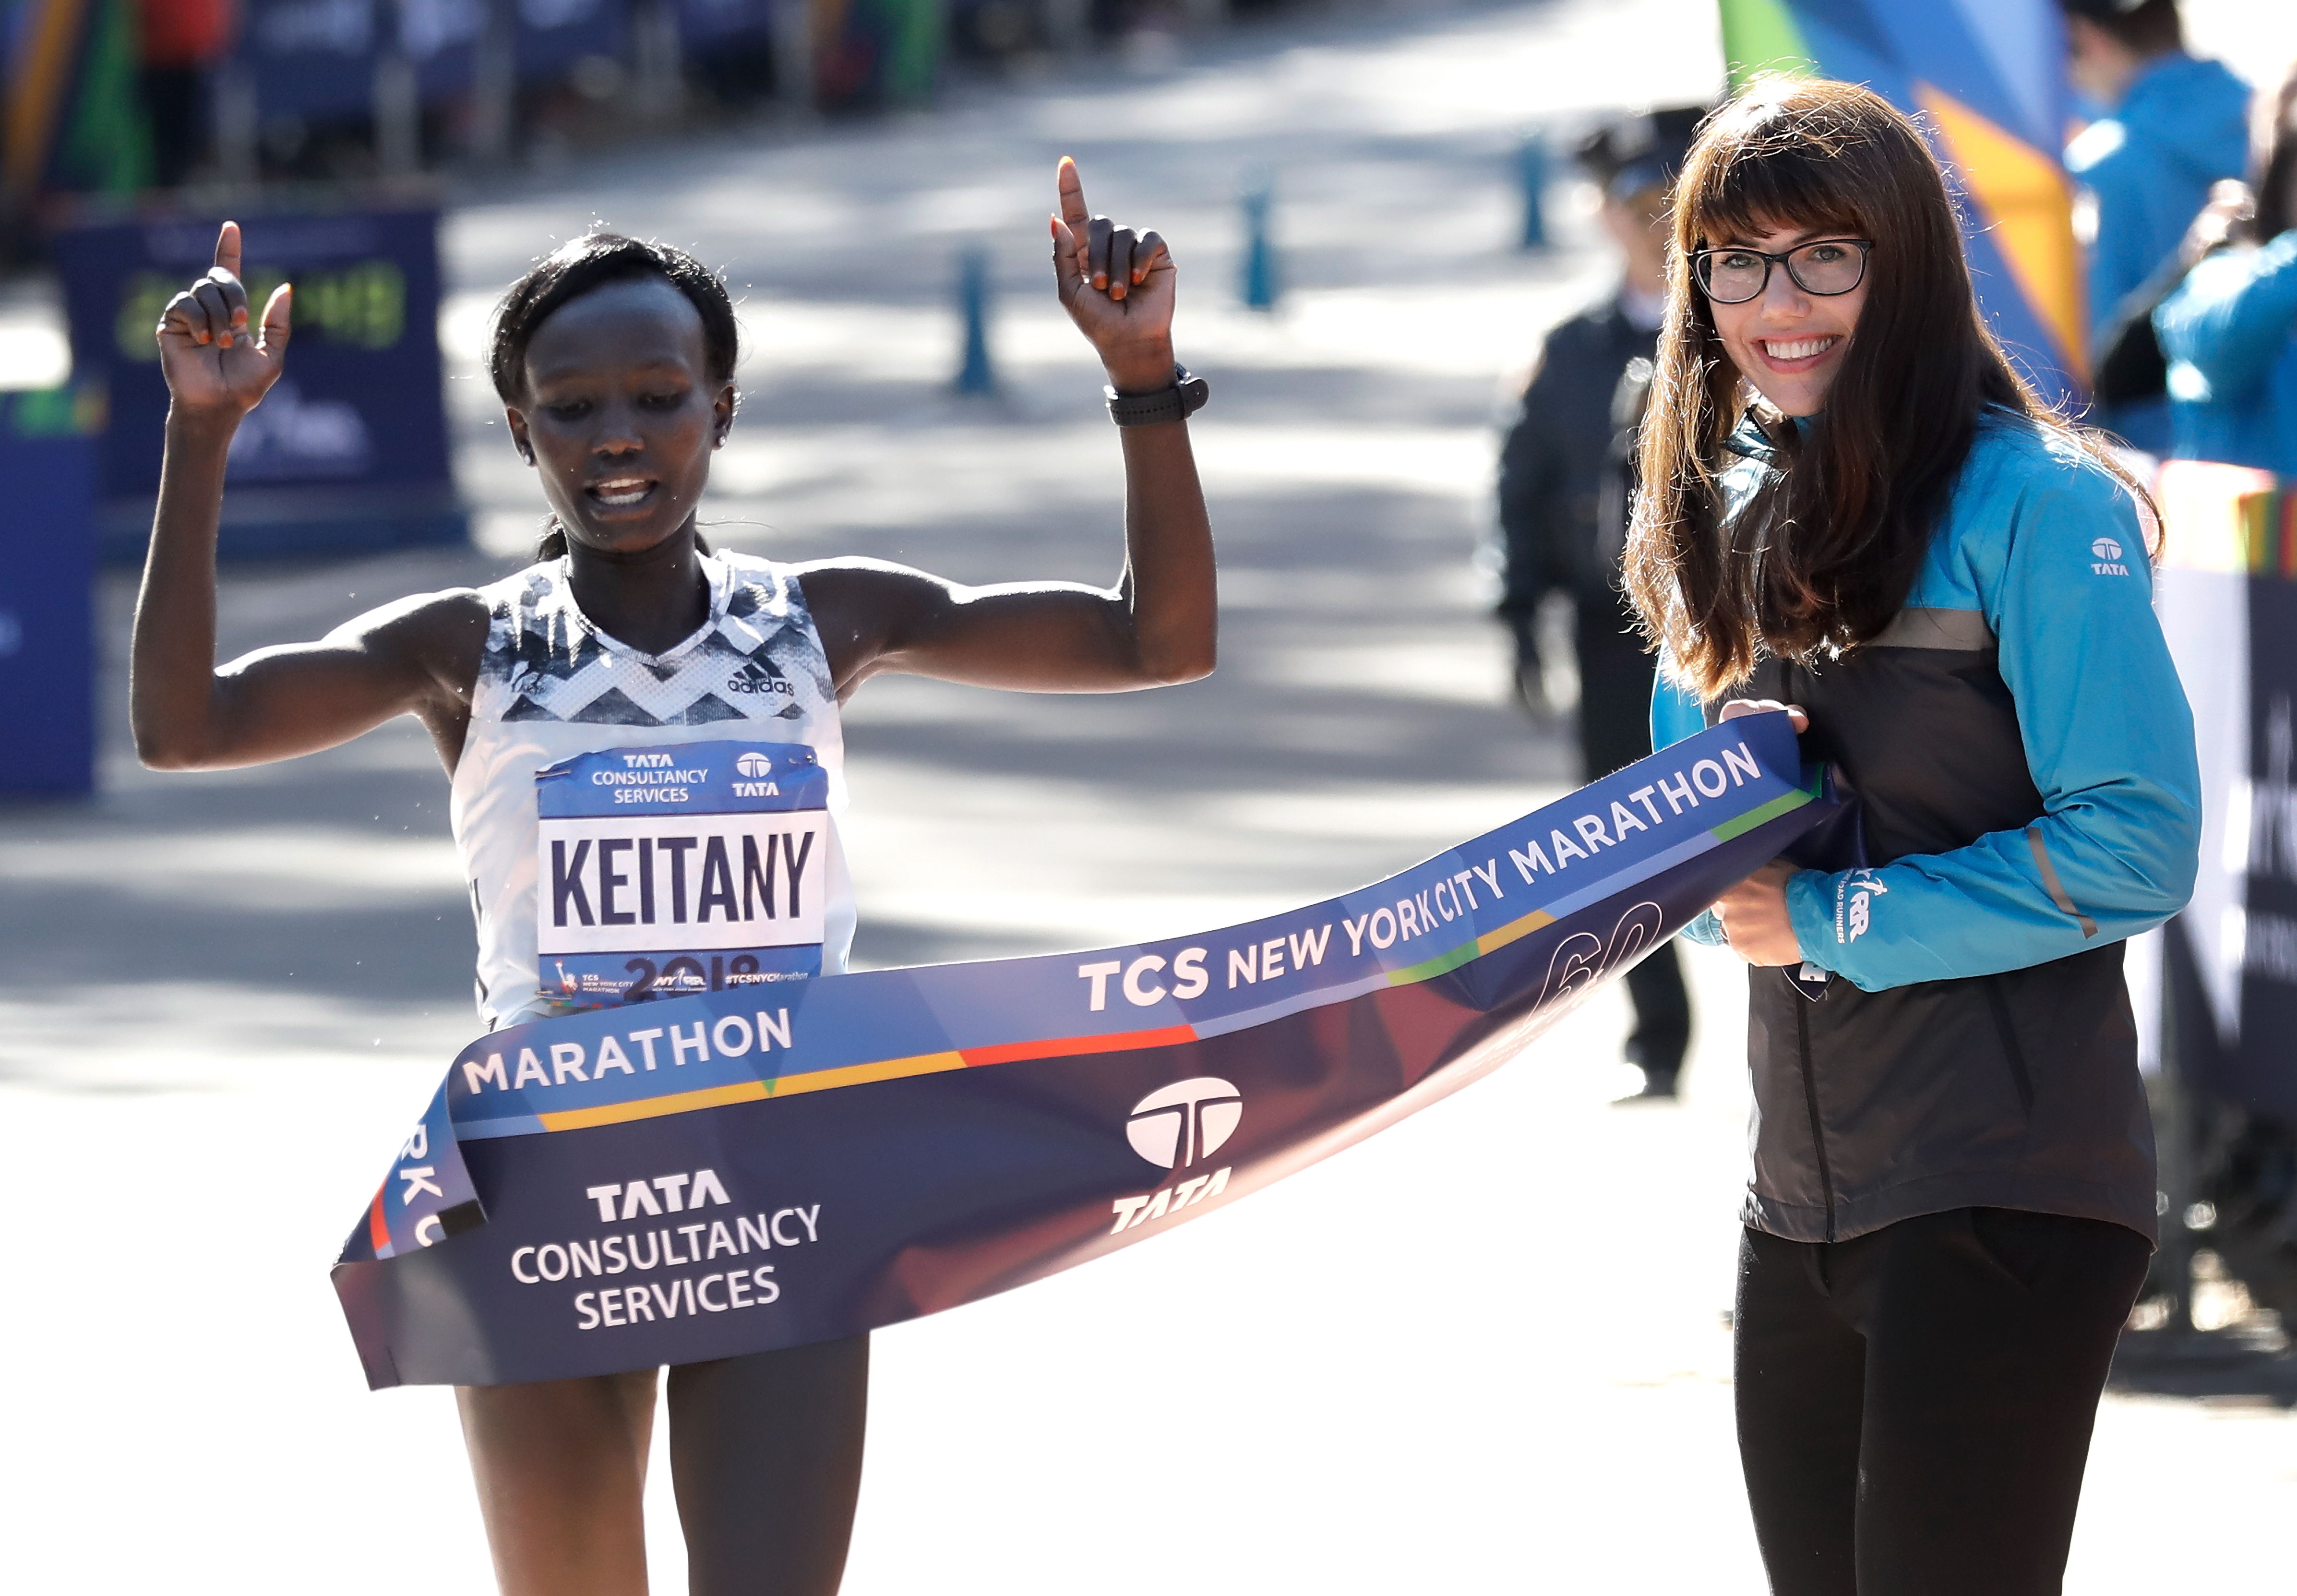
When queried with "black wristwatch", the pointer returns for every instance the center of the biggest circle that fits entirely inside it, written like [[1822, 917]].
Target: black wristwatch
[[1183, 400]]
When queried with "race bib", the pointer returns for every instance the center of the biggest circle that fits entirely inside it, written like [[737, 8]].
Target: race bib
[[664, 872]]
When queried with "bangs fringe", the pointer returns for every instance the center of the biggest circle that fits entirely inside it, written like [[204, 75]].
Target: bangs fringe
[[1764, 189], [1777, 154]]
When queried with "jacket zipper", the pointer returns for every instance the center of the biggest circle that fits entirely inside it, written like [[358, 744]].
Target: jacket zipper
[[1810, 1097]]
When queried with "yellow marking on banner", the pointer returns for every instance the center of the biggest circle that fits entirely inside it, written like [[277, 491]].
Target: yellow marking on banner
[[1514, 931], [856, 1074], [677, 1102], [2023, 192], [751, 1091]]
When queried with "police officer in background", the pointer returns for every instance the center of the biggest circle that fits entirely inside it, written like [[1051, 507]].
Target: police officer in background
[[1562, 508]]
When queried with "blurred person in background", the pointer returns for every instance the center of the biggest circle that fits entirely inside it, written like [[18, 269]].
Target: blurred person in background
[[2230, 330], [1562, 522], [2168, 127], [183, 41], [1853, 510]]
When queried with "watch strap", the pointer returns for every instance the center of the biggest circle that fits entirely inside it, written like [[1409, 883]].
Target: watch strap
[[1183, 400]]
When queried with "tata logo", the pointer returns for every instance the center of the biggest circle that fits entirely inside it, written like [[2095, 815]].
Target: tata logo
[[663, 1194], [2108, 563], [755, 765], [1175, 1125]]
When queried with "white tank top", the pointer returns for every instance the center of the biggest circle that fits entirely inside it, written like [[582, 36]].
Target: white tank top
[[754, 683]]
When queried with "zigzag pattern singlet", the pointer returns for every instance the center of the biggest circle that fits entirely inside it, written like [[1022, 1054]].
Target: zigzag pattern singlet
[[551, 687]]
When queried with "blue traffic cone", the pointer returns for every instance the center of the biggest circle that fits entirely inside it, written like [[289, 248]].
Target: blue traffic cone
[[1531, 174], [1259, 285], [976, 375]]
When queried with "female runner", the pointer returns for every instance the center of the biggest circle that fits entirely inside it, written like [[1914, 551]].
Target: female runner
[[615, 361], [1853, 508]]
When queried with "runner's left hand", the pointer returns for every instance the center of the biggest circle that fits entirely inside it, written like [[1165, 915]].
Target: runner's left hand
[[1117, 286]]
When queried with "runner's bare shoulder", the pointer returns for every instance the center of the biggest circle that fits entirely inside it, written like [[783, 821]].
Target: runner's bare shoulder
[[441, 636]]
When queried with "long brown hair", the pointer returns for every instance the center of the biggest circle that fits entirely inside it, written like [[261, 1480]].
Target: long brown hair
[[1827, 551]]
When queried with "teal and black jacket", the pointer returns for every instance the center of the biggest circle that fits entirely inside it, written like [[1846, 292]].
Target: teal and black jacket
[[2021, 754], [2229, 332]]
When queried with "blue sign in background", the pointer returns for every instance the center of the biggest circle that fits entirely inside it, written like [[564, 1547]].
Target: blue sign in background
[[311, 58], [349, 450], [553, 35], [47, 547]]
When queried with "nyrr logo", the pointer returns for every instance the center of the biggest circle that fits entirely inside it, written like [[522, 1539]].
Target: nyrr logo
[[2108, 563], [1854, 906], [1174, 1126], [1178, 1125]]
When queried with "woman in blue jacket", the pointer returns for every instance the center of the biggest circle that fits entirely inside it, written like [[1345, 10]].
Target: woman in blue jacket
[[2229, 331], [1853, 508]]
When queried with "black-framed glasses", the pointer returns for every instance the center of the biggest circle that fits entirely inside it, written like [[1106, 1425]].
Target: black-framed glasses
[[1826, 266]]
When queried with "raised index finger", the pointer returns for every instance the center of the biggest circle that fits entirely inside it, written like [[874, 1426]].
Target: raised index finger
[[1073, 206], [226, 255]]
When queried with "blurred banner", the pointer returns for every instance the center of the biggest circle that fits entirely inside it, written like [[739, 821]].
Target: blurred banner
[[2228, 596], [873, 53], [47, 547], [314, 60], [781, 1162], [74, 111], [349, 451], [701, 21], [1990, 77], [553, 35]]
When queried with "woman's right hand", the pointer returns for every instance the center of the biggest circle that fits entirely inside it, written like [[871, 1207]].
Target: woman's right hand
[[1758, 706], [214, 364]]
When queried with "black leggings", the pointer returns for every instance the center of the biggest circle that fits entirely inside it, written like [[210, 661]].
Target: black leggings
[[1914, 1404], [765, 1454]]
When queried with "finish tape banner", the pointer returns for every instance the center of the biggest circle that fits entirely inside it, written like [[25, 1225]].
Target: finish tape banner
[[761, 1167]]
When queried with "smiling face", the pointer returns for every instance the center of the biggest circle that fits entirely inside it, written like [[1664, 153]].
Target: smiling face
[[618, 413], [1789, 342]]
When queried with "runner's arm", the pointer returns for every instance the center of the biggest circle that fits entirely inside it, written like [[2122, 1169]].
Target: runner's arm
[[275, 703], [1154, 627], [1157, 624]]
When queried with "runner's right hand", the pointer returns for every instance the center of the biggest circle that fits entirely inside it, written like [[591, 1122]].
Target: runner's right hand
[[213, 360]]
